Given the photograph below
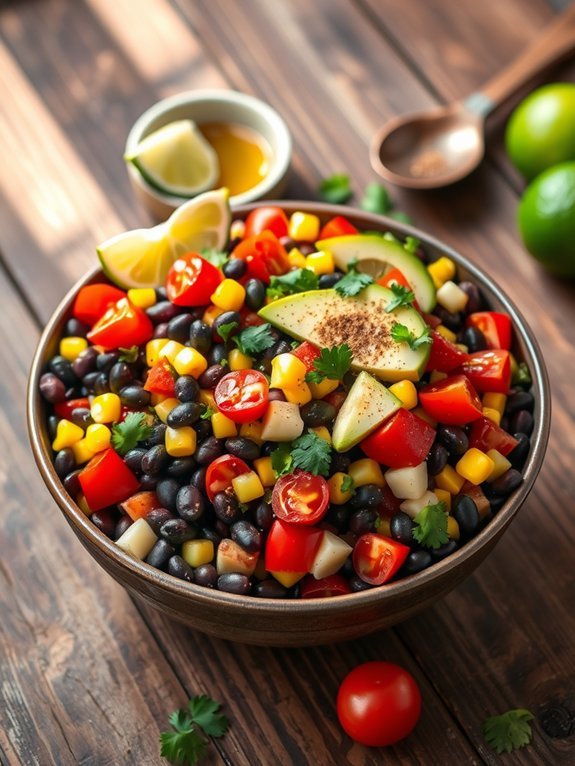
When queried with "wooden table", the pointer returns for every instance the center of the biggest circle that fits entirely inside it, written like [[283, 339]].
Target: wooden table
[[89, 676]]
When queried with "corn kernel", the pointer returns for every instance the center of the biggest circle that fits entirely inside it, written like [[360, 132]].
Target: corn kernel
[[441, 270], [189, 361], [475, 466], [320, 262], [452, 528], [106, 408], [143, 297], [421, 413], [263, 466], [229, 295], [337, 495], [231, 557], [138, 540], [67, 434], [153, 348], [303, 227], [82, 504], [296, 258], [98, 437], [156, 398], [462, 347], [443, 496], [237, 229], [72, 347], [253, 431], [206, 396], [300, 395], [319, 390], [495, 401], [493, 415], [170, 351], [164, 408], [406, 392], [366, 471], [446, 333], [222, 426], [449, 480], [196, 553], [452, 297], [239, 361], [500, 464], [287, 371], [247, 487], [437, 375], [322, 432], [211, 314], [83, 451], [180, 442], [287, 579], [382, 526]]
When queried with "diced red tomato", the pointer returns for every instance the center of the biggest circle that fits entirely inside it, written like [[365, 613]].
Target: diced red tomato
[[488, 370], [122, 325], [307, 353], [291, 547], [486, 435], [300, 498], [495, 326], [93, 300], [444, 355], [452, 401], [249, 318], [242, 395], [268, 218], [264, 255], [403, 440], [191, 280], [107, 480], [65, 409], [336, 227], [377, 558], [431, 320], [139, 505], [394, 277], [334, 585], [221, 472], [160, 379]]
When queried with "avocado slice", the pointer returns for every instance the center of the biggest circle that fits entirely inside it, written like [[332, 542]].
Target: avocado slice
[[366, 406], [326, 319], [376, 256]]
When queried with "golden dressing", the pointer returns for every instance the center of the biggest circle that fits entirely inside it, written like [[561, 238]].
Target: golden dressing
[[243, 153]]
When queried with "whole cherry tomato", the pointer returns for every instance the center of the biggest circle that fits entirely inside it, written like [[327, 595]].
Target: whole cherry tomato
[[242, 395], [191, 280], [268, 218], [300, 498]]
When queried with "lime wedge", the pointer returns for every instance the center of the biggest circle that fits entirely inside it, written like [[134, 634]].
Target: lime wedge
[[177, 160], [142, 257]]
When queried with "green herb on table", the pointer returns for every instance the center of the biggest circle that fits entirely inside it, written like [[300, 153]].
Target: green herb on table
[[509, 731], [296, 281], [126, 435], [376, 199], [225, 330], [403, 297], [401, 334], [332, 363], [311, 453], [430, 527], [335, 189], [353, 282], [192, 727], [399, 215], [254, 340], [129, 355], [216, 257]]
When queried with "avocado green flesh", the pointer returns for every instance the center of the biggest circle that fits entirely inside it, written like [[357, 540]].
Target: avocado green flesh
[[366, 406], [326, 319], [370, 250]]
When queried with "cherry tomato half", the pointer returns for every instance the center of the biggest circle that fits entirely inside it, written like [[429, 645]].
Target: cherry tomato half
[[221, 472], [377, 558], [242, 395], [378, 703], [122, 325], [269, 217], [191, 280], [300, 498], [264, 255]]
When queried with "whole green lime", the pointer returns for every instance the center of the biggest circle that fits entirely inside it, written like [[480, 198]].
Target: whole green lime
[[546, 218], [541, 131]]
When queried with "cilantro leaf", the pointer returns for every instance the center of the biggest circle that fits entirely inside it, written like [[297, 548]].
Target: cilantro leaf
[[352, 282], [188, 743], [335, 189], [376, 199], [254, 340], [207, 413], [129, 355], [403, 297], [521, 375], [347, 484], [331, 363], [204, 712], [296, 281], [282, 460], [509, 731], [132, 430], [216, 257], [311, 453], [185, 747], [225, 330], [431, 526], [401, 334]]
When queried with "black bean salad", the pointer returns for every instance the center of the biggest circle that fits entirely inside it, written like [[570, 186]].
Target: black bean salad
[[307, 411]]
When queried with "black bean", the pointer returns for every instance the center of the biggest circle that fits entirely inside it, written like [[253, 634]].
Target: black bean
[[72, 483], [157, 435], [64, 462], [62, 368], [184, 414], [225, 318], [474, 339], [522, 422], [339, 463], [454, 439], [212, 376], [362, 521], [135, 396], [282, 347], [437, 459], [506, 483], [106, 360], [161, 330], [466, 515], [181, 467], [157, 517], [263, 516], [105, 521], [148, 481], [81, 416], [245, 534], [52, 424], [518, 454], [74, 328], [209, 450], [356, 584], [338, 516], [327, 281], [198, 478], [101, 385], [255, 294], [133, 459], [227, 508], [520, 400], [474, 298], [232, 582], [161, 294], [177, 531], [218, 354], [206, 575], [122, 525], [167, 492], [241, 447], [52, 388], [119, 377], [450, 320], [267, 448], [416, 561], [190, 503], [89, 380], [179, 327], [444, 550], [203, 429], [368, 496], [235, 268], [160, 554], [317, 413], [179, 568], [209, 533], [269, 589], [276, 395], [306, 248], [162, 311], [186, 388], [401, 527], [155, 459], [74, 392], [200, 335], [85, 362]]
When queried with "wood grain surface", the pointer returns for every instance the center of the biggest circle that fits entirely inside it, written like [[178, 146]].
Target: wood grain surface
[[89, 676]]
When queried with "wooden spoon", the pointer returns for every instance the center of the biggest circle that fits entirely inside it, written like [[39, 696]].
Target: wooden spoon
[[439, 146]]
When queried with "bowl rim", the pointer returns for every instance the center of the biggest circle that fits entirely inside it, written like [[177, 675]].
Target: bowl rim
[[279, 162], [331, 605]]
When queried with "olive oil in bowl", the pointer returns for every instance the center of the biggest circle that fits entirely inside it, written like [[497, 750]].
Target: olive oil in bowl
[[244, 155]]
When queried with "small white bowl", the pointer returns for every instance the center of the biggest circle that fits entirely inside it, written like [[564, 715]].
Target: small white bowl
[[213, 106]]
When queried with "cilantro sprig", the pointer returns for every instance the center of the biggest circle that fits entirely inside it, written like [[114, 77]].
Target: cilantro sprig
[[129, 355], [376, 199], [296, 281], [335, 189], [216, 257], [309, 452], [430, 527], [401, 334], [134, 429], [347, 484], [403, 296], [192, 726], [509, 731], [225, 330], [254, 340], [353, 282], [332, 363]]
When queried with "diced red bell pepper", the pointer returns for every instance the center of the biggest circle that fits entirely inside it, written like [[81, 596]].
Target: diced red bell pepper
[[307, 353], [92, 301], [488, 371], [160, 379], [264, 254], [139, 505], [486, 435], [496, 327], [334, 585], [444, 355], [65, 409], [452, 401], [107, 480], [291, 547], [336, 227], [122, 325], [403, 440]]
